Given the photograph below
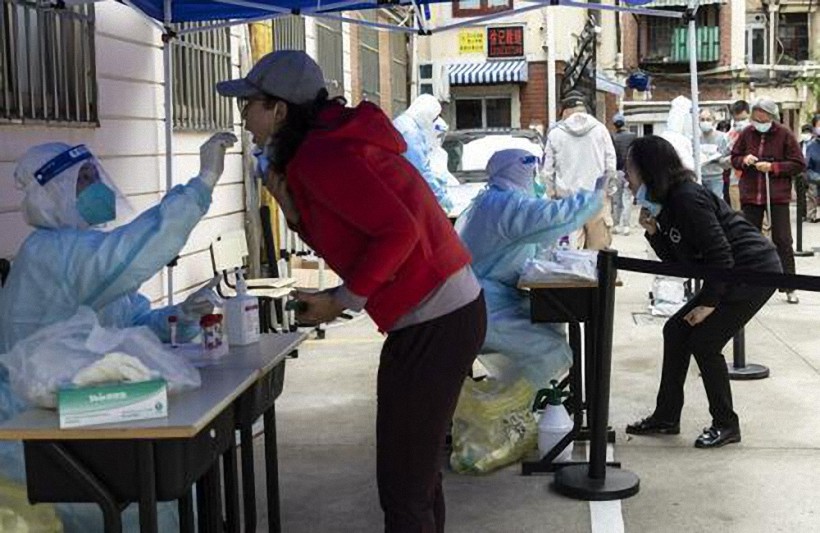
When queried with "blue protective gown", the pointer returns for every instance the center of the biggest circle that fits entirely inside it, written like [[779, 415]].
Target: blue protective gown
[[58, 270], [502, 229]]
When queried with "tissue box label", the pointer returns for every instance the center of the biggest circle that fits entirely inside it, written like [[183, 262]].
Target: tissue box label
[[105, 404]]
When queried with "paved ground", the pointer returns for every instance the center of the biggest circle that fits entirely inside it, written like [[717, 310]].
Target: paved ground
[[768, 483]]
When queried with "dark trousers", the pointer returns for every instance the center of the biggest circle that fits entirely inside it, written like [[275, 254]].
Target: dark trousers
[[781, 230], [421, 372], [705, 341]]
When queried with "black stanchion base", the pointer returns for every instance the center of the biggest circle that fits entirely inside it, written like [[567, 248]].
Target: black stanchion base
[[748, 372], [803, 253], [574, 482]]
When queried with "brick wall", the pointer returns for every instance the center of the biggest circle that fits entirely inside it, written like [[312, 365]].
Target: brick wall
[[725, 24], [533, 96], [629, 38]]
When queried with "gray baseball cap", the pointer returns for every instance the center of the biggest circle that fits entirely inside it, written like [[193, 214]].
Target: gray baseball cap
[[287, 74], [768, 105]]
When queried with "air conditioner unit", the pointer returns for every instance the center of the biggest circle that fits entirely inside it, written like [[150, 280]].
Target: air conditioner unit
[[434, 78], [441, 82]]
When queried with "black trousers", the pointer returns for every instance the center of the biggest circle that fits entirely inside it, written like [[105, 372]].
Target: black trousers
[[421, 372], [705, 341], [781, 230]]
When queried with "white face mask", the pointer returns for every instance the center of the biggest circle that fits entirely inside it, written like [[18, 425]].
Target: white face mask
[[817, 131], [740, 125], [762, 127], [706, 127], [805, 137]]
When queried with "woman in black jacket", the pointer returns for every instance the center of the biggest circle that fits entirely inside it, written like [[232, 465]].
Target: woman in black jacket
[[685, 223]]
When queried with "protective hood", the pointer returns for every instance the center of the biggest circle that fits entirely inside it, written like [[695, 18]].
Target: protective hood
[[578, 124], [512, 170], [440, 128], [424, 110], [48, 175], [680, 117]]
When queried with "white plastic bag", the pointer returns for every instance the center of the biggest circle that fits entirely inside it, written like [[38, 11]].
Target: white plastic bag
[[556, 265], [42, 363]]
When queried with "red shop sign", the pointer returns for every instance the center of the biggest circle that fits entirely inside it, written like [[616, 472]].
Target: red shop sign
[[505, 42]]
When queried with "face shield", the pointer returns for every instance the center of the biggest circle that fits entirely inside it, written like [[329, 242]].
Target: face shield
[[67, 187]]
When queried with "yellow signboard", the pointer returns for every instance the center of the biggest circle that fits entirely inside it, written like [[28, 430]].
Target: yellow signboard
[[471, 42]]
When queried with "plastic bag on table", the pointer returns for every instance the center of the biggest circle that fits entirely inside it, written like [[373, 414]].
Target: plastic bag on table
[[44, 362], [493, 425], [17, 515], [556, 264]]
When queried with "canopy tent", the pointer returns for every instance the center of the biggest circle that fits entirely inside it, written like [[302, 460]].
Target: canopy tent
[[165, 13]]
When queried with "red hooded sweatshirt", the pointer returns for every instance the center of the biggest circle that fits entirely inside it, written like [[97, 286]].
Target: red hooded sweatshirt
[[367, 211]]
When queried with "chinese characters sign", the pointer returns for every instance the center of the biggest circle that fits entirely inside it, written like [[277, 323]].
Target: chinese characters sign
[[505, 42], [471, 42]]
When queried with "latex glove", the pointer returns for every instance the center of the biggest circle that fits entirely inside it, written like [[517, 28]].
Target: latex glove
[[202, 301], [763, 166], [115, 366], [212, 157]]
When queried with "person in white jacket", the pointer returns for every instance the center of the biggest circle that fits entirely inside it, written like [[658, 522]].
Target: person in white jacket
[[579, 150]]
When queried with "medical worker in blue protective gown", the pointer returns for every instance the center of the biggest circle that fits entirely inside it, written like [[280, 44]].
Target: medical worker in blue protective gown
[[502, 228], [67, 262], [417, 126]]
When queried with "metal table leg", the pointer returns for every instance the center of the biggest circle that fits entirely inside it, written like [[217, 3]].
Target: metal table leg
[[148, 486], [272, 471], [186, 513], [109, 506], [230, 473], [248, 477]]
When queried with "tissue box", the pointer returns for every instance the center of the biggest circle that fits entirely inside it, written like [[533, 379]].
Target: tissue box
[[118, 402]]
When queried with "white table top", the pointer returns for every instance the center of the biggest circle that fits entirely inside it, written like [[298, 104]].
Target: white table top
[[188, 412]]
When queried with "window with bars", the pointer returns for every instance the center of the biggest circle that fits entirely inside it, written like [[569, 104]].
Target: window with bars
[[47, 69], [473, 8], [665, 40], [289, 33], [331, 54], [398, 72], [793, 37], [369, 60], [201, 59]]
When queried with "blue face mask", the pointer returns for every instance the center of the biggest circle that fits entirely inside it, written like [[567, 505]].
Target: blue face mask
[[640, 197], [97, 204], [262, 164]]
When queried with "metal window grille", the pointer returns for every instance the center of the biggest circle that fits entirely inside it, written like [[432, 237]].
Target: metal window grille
[[289, 33], [331, 54], [665, 40], [398, 72], [47, 68], [201, 59], [369, 60]]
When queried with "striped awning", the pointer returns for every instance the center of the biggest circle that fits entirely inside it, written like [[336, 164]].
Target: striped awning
[[489, 72]]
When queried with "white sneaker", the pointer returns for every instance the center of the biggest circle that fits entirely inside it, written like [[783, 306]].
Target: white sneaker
[[625, 231], [616, 230], [792, 298]]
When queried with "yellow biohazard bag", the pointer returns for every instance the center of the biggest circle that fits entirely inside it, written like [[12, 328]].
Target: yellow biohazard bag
[[493, 425], [17, 515]]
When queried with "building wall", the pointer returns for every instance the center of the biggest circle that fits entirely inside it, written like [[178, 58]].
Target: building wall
[[533, 96], [130, 143]]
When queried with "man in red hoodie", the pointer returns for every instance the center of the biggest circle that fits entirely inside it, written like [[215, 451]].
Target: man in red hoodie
[[339, 175], [769, 151]]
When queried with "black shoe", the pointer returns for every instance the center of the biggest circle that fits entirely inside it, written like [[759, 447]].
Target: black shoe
[[715, 437], [652, 426]]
